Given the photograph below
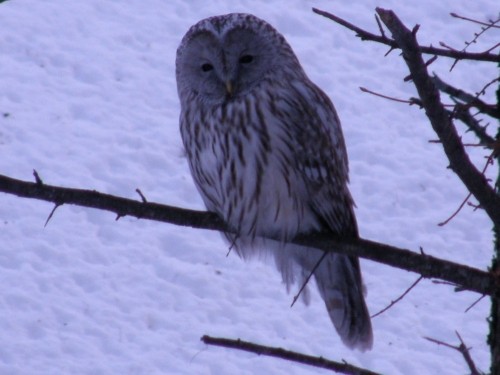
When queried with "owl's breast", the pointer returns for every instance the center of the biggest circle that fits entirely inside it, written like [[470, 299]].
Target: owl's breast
[[263, 192], [244, 166]]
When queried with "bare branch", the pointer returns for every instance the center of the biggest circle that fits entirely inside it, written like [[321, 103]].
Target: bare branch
[[430, 267], [463, 349], [410, 102], [366, 35], [455, 213], [342, 368], [460, 163], [483, 90]]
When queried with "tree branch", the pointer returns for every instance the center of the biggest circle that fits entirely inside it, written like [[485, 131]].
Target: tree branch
[[366, 35], [343, 368], [465, 97], [460, 163], [430, 267]]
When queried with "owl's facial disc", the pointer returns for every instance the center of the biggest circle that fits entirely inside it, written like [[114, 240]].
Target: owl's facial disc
[[220, 68]]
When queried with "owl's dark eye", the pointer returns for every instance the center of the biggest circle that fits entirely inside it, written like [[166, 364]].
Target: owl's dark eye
[[246, 59], [207, 67]]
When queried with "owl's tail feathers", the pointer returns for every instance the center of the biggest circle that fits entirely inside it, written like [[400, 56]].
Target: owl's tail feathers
[[339, 282]]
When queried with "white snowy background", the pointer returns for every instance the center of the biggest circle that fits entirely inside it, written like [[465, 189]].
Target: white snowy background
[[88, 99]]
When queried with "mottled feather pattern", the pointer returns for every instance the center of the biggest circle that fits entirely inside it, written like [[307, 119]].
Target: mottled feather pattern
[[266, 152]]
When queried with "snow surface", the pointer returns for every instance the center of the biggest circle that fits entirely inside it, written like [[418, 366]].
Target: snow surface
[[88, 99]]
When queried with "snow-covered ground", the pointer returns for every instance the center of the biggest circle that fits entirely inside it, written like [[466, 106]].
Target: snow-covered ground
[[88, 99]]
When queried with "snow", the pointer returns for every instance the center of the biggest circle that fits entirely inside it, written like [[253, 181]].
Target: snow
[[88, 99]]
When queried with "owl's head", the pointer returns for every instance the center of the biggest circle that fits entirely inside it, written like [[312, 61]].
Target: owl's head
[[224, 57]]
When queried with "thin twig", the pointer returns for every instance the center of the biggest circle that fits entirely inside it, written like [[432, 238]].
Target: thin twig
[[492, 48], [474, 303], [412, 101], [304, 284], [483, 90], [443, 223], [455, 285], [490, 24], [489, 161], [343, 368], [465, 144], [440, 342], [398, 299]]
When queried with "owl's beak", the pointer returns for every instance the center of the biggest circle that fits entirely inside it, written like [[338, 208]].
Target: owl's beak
[[229, 87]]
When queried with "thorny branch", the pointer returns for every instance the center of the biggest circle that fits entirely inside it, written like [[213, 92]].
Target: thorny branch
[[460, 163], [461, 112], [441, 121], [466, 98], [343, 368], [487, 27], [366, 35], [430, 267]]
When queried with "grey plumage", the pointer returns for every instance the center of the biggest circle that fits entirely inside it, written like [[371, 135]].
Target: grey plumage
[[266, 152]]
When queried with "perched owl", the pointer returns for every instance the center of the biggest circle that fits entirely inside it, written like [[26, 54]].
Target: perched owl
[[267, 154]]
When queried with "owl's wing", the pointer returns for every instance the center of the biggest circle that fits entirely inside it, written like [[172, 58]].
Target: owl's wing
[[322, 157]]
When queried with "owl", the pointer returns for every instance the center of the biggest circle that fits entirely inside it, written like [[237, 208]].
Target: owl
[[266, 152]]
